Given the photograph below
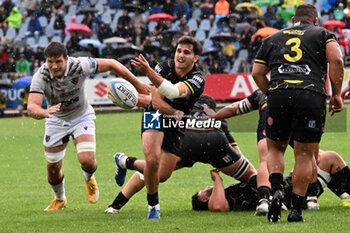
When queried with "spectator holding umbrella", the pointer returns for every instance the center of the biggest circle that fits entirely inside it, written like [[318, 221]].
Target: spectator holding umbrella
[[104, 31]]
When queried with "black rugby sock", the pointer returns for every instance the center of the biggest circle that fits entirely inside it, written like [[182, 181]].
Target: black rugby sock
[[263, 192], [297, 202], [129, 163], [276, 180], [119, 201], [152, 199]]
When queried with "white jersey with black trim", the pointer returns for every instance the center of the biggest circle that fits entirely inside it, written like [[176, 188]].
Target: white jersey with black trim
[[67, 90]]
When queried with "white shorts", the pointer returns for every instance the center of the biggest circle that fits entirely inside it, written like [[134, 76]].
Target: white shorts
[[57, 131]]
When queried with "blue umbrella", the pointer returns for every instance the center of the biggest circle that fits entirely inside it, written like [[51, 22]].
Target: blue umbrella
[[173, 31], [211, 49], [95, 43]]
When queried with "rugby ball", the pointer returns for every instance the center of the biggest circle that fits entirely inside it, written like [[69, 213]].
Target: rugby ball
[[122, 93]]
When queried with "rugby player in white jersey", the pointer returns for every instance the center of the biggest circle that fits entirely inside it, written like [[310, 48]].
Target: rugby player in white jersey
[[61, 80]]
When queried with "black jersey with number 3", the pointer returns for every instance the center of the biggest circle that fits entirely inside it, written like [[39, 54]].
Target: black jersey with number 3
[[296, 57]]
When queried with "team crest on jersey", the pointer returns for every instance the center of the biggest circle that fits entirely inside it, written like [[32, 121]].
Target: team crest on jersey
[[75, 80], [92, 62], [47, 138]]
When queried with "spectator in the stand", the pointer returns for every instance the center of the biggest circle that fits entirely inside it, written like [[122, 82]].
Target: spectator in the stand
[[285, 13], [8, 5], [126, 32], [207, 9], [279, 23], [182, 9], [22, 66], [104, 31], [3, 55], [138, 18], [59, 25], [229, 50], [72, 21], [2, 105], [155, 8], [183, 26], [45, 9], [243, 66], [34, 27], [108, 51], [152, 61], [9, 68], [15, 18], [269, 16], [95, 23], [221, 9], [125, 19], [86, 20], [140, 37], [94, 51], [255, 46], [339, 11], [30, 7], [58, 7], [39, 54], [29, 54], [168, 7], [3, 20], [327, 7], [74, 43], [245, 38]]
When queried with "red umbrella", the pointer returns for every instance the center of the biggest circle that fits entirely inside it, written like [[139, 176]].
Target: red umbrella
[[333, 23], [80, 29], [159, 17], [265, 32]]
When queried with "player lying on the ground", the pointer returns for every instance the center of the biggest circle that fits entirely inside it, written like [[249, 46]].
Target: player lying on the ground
[[332, 173], [257, 100], [207, 145]]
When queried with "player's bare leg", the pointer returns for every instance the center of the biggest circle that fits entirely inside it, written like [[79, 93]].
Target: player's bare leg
[[263, 180], [56, 178], [86, 148]]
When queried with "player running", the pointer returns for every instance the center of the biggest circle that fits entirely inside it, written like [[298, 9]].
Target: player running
[[61, 80]]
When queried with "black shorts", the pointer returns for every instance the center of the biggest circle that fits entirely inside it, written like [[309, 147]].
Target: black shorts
[[207, 146], [261, 132], [296, 112], [172, 138]]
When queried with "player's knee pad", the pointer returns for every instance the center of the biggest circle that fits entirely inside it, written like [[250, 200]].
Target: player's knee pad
[[54, 157], [86, 147], [242, 168]]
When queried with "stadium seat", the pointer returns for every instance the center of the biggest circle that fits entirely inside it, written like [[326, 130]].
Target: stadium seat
[[200, 35], [49, 30], [196, 13], [205, 25], [99, 7], [43, 41], [151, 26], [66, 39], [235, 67], [43, 21], [57, 38], [192, 23], [79, 18], [22, 32], [212, 32], [31, 41], [71, 10], [106, 18], [176, 24], [207, 43], [11, 33]]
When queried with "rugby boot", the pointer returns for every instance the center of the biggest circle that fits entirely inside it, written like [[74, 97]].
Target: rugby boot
[[92, 192], [295, 216], [274, 214], [120, 172], [56, 205]]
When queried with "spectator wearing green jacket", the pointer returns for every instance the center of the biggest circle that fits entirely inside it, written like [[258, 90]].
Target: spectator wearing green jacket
[[15, 18], [22, 67]]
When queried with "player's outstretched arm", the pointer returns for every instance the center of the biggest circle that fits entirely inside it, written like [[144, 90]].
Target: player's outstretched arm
[[159, 104], [217, 201], [116, 67], [35, 110], [234, 109], [336, 73]]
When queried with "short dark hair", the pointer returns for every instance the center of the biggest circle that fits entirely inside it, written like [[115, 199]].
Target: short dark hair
[[305, 12], [55, 49], [197, 204], [208, 100], [197, 46]]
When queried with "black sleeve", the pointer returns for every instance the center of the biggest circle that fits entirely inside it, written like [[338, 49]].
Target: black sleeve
[[229, 137]]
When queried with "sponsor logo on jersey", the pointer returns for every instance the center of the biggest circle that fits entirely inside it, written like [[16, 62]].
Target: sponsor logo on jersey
[[92, 62]]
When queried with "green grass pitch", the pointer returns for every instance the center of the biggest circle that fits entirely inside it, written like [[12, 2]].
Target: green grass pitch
[[24, 191]]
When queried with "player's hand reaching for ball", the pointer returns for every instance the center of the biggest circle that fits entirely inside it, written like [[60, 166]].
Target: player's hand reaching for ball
[[141, 63]]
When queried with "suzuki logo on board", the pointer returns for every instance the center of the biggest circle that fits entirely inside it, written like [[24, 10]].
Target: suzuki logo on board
[[101, 89]]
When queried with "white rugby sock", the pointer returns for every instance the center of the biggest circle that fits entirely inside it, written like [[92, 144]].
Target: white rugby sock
[[88, 175], [59, 191]]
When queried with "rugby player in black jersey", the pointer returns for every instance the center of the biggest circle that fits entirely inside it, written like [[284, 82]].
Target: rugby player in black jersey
[[296, 95], [214, 145], [178, 83]]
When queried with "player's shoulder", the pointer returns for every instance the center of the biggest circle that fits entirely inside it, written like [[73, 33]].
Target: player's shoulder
[[43, 73]]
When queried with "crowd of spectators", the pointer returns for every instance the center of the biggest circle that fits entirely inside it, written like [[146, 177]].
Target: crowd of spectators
[[232, 52]]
